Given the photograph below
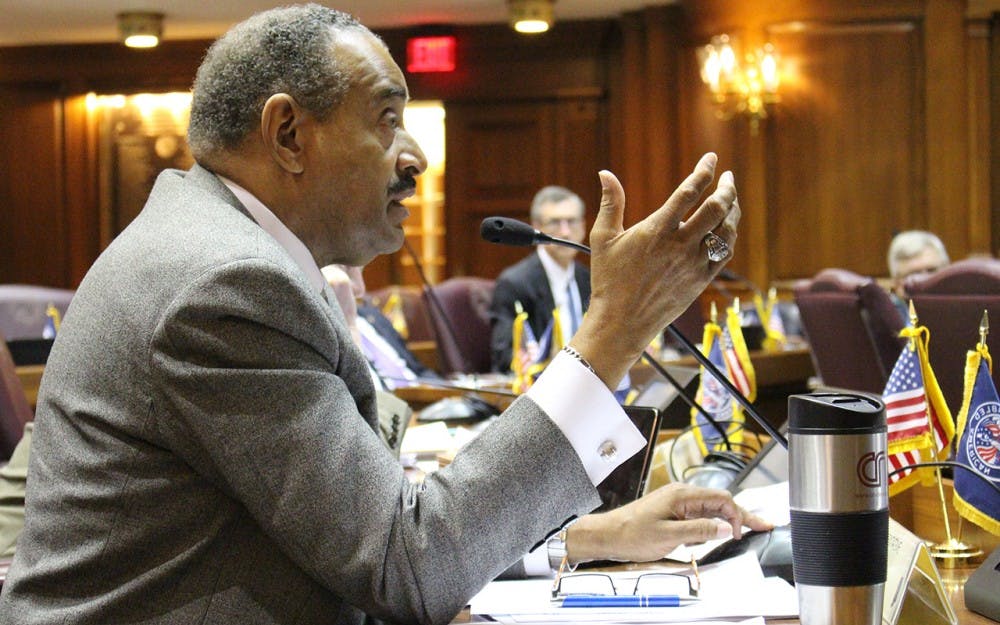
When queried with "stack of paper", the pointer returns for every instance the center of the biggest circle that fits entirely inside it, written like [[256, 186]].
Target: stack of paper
[[732, 589]]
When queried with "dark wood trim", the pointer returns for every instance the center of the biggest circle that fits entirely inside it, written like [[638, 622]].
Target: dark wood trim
[[994, 72]]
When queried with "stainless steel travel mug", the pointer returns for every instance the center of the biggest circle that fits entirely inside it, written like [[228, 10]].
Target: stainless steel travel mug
[[839, 500]]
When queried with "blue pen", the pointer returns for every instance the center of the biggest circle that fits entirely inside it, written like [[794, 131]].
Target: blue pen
[[626, 601]]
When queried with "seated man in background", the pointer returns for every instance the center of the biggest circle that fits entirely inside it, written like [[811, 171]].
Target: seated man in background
[[912, 252], [394, 364], [549, 278]]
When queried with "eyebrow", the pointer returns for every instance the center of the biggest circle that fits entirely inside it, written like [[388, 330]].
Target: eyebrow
[[393, 92]]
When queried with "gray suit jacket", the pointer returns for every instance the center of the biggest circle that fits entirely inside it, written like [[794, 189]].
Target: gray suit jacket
[[205, 450]]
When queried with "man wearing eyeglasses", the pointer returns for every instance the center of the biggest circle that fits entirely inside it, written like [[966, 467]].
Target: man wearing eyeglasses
[[546, 280]]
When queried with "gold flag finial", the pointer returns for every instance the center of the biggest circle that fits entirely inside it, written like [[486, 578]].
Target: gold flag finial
[[913, 315], [984, 328], [736, 304], [713, 313]]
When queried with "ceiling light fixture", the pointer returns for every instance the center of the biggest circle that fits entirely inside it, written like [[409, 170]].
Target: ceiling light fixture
[[140, 29], [530, 16]]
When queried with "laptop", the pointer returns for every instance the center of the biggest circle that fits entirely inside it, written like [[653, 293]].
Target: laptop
[[627, 482]]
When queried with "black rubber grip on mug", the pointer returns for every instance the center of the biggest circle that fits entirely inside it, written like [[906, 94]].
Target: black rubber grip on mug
[[847, 549]]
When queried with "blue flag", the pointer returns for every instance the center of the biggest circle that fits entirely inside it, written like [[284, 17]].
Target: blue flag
[[979, 445]]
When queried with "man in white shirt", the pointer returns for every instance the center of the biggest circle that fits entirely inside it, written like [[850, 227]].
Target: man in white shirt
[[549, 279]]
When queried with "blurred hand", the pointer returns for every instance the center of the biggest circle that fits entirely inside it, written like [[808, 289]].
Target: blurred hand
[[645, 277], [652, 526], [340, 280]]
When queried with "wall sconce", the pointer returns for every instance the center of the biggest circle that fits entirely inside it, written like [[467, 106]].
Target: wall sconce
[[740, 88], [140, 29], [530, 17]]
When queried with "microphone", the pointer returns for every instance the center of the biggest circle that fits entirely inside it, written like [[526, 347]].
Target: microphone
[[507, 231]]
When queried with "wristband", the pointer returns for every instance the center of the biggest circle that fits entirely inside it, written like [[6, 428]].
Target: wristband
[[583, 361]]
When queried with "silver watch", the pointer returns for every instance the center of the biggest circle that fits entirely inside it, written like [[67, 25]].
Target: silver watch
[[556, 547]]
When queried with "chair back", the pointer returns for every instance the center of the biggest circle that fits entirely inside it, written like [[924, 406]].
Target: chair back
[[15, 411], [23, 306], [842, 332], [418, 320], [950, 302], [463, 336]]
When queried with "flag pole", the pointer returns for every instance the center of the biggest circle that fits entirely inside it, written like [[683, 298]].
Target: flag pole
[[954, 552]]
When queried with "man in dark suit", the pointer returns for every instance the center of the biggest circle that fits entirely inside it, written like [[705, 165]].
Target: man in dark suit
[[545, 280], [206, 444]]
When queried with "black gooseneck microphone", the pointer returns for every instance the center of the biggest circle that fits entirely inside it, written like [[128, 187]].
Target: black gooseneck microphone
[[507, 231]]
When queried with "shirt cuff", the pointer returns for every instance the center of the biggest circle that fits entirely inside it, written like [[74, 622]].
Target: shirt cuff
[[588, 414], [536, 562]]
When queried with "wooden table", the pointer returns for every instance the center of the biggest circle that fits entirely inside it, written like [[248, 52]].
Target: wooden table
[[771, 368], [30, 377]]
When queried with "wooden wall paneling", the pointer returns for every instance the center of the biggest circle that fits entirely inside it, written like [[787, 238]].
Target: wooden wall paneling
[[82, 195], [846, 165], [646, 94], [494, 63], [994, 131], [630, 122], [978, 102], [580, 150], [947, 125], [499, 155], [32, 220], [105, 68]]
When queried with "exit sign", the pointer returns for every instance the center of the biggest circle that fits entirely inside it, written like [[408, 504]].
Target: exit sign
[[430, 54]]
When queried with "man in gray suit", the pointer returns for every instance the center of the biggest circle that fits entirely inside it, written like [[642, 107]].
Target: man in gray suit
[[205, 447]]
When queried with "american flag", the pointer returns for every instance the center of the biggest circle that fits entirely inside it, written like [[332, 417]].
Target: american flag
[[916, 414], [737, 372]]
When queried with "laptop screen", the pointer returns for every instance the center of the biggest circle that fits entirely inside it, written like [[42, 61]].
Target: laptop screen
[[626, 483]]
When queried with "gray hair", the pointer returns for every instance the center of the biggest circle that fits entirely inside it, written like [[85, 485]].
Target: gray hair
[[553, 195], [283, 50], [911, 243]]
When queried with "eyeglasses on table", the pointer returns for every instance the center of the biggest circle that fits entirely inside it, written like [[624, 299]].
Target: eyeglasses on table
[[601, 584]]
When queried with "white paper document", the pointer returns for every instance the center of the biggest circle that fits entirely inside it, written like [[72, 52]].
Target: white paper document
[[731, 589]]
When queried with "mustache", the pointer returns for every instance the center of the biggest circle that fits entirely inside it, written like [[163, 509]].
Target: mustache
[[406, 182]]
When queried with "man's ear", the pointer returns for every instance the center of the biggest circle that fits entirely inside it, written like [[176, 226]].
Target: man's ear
[[280, 125]]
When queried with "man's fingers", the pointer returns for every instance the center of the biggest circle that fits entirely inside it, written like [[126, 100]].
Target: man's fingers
[[686, 195], [693, 531], [610, 217], [717, 208]]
